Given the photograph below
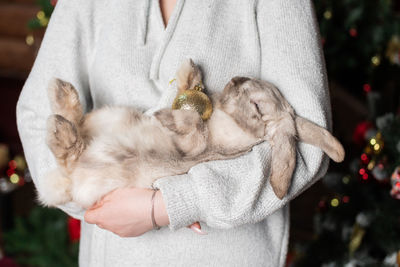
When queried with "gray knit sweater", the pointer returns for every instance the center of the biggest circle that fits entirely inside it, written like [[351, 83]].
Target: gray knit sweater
[[120, 53]]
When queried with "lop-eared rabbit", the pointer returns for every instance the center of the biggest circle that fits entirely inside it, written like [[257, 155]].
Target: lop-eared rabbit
[[114, 147]]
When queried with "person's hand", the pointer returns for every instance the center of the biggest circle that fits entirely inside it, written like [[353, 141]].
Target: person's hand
[[126, 212]]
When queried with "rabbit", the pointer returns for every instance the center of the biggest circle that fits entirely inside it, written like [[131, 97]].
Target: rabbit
[[114, 147]]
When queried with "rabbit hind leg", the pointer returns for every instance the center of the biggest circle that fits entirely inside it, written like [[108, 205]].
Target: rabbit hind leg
[[64, 141], [64, 100]]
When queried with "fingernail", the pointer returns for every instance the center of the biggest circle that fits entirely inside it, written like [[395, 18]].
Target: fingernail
[[197, 230]]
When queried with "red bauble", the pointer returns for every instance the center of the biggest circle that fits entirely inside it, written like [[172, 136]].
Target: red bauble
[[10, 172], [367, 88], [360, 132], [290, 258], [395, 180], [74, 229], [353, 32]]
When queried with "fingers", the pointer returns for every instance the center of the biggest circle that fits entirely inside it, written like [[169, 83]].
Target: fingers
[[197, 228], [93, 214], [90, 217], [96, 205], [196, 224]]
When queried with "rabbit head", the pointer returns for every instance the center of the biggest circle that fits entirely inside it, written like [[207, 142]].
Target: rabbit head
[[253, 104]]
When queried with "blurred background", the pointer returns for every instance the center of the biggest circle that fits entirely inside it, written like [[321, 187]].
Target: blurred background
[[349, 218]]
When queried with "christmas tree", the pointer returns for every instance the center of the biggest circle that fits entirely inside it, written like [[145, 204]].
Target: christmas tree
[[361, 40], [46, 238], [358, 222]]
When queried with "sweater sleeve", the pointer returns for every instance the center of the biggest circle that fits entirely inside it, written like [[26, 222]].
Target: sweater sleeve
[[64, 53], [229, 193]]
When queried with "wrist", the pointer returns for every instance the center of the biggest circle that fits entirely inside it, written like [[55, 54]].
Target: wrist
[[160, 210]]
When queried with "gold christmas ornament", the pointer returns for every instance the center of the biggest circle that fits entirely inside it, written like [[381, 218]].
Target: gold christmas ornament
[[21, 163], [356, 238], [398, 258], [328, 14], [40, 15], [375, 145], [346, 179], [4, 155], [14, 178], [194, 99], [376, 60], [30, 40], [335, 202], [371, 165], [43, 22], [393, 50]]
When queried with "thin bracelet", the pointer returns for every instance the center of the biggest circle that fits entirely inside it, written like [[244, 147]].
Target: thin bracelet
[[153, 220]]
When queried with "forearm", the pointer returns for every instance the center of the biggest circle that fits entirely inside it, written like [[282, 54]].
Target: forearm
[[63, 54]]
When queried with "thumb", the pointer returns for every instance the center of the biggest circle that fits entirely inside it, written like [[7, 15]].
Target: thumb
[[92, 215]]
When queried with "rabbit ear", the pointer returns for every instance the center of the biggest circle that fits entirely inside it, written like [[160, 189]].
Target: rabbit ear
[[233, 89], [315, 135], [283, 162], [188, 76]]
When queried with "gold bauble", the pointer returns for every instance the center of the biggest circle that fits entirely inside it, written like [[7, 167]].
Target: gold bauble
[[21, 163], [393, 50], [376, 60], [30, 40], [356, 238], [193, 99], [398, 258], [4, 155], [328, 14], [376, 143]]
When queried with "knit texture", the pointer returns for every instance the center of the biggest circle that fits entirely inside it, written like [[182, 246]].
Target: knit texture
[[121, 54]]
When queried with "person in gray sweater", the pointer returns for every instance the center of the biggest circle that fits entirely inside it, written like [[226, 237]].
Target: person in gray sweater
[[121, 53]]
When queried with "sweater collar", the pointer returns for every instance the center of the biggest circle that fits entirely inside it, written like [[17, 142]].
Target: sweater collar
[[167, 31], [144, 21]]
